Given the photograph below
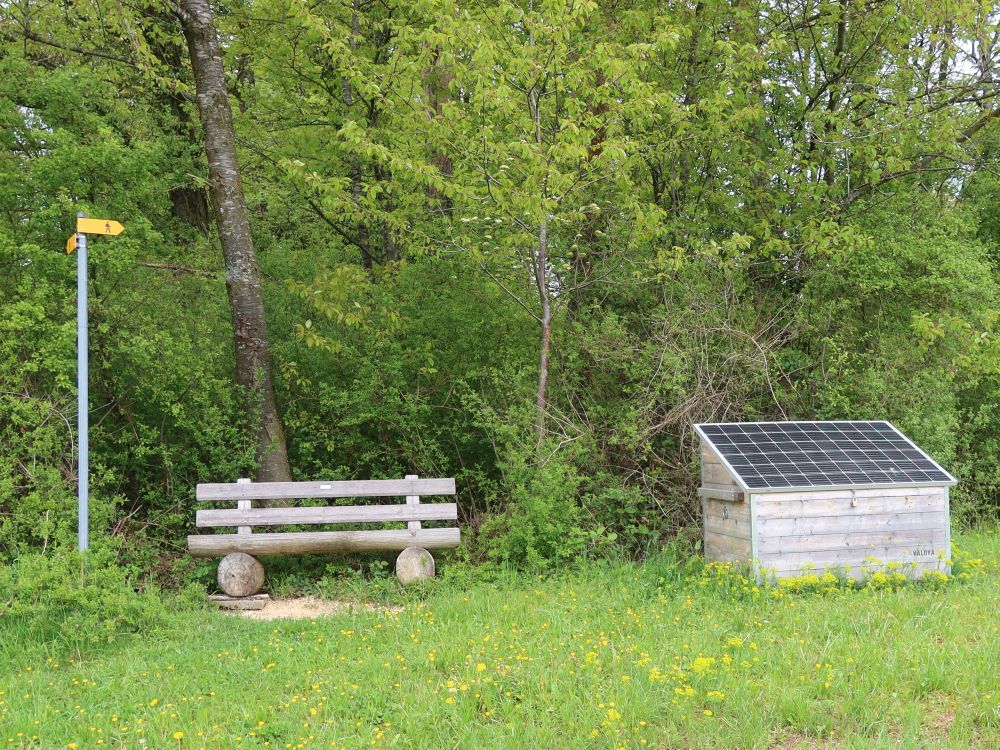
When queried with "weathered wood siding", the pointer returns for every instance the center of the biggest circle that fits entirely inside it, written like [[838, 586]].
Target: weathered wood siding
[[862, 531], [714, 474], [727, 524]]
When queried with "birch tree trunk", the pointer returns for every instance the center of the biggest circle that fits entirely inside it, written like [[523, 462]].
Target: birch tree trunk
[[541, 278], [545, 324], [246, 303]]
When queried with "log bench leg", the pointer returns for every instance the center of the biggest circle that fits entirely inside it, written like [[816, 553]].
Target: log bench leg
[[414, 564], [240, 574]]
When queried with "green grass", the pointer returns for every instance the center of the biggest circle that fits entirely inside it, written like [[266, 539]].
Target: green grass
[[619, 656]]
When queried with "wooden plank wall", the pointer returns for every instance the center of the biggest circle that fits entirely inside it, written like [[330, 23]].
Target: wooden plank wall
[[841, 529], [727, 523]]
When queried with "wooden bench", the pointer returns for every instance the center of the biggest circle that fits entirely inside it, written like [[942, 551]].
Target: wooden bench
[[244, 517]]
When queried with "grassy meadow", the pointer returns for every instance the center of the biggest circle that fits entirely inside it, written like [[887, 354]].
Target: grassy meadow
[[619, 656]]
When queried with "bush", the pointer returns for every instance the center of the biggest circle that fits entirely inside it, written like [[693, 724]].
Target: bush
[[74, 599], [541, 527]]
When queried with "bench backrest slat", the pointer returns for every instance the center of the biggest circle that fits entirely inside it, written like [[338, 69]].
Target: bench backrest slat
[[302, 490], [343, 514]]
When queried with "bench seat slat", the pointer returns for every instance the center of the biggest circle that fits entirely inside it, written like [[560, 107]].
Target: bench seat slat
[[299, 490], [317, 542], [342, 514]]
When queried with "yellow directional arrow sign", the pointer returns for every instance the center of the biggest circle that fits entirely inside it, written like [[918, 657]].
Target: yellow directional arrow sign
[[71, 244], [98, 226]]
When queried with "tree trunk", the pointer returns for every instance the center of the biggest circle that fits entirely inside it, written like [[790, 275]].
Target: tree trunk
[[588, 245], [691, 98], [246, 303], [829, 168], [189, 205], [437, 79], [545, 323], [541, 278], [361, 225]]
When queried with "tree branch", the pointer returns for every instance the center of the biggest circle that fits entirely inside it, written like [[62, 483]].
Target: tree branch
[[31, 36], [868, 187], [178, 270]]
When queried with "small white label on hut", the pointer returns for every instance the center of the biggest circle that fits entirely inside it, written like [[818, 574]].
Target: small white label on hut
[[326, 486]]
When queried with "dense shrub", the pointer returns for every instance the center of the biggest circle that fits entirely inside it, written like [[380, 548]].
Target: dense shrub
[[900, 326], [72, 600], [542, 525]]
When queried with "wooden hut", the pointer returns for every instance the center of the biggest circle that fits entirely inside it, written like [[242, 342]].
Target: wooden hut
[[789, 498]]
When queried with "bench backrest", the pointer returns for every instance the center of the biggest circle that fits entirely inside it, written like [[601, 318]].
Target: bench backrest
[[245, 492], [244, 517], [244, 489]]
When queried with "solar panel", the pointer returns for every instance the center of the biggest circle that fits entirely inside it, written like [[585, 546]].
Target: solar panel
[[805, 455]]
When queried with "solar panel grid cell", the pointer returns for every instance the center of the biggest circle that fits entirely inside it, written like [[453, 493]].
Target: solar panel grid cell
[[821, 454]]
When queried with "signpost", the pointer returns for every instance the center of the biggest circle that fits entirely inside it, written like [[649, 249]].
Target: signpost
[[78, 242], [98, 226]]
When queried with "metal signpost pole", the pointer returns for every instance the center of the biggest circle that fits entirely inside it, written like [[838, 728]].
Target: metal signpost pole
[[78, 242], [83, 404]]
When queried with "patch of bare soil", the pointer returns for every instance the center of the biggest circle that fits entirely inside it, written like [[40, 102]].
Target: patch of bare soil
[[939, 715], [790, 740], [308, 608]]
